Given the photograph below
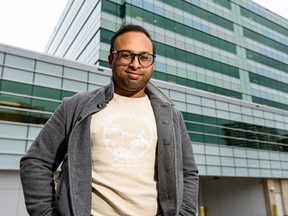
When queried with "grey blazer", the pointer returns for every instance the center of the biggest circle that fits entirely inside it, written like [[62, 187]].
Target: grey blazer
[[65, 139]]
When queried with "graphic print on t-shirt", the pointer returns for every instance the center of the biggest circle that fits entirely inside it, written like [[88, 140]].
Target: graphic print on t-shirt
[[127, 136]]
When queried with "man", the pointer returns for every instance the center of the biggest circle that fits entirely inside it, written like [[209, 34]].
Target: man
[[124, 148]]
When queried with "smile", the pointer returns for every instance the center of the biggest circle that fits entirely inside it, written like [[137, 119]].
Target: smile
[[133, 75]]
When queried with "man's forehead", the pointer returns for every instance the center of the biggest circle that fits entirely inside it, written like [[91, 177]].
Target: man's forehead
[[139, 38]]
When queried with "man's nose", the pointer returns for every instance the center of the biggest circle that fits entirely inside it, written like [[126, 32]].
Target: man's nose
[[135, 63]]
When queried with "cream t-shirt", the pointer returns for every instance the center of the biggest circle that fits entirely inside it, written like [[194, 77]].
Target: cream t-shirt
[[123, 144]]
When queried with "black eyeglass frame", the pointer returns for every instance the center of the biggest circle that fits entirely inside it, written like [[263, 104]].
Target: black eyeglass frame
[[133, 57]]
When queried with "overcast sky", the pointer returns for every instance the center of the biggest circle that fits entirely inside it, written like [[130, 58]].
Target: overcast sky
[[29, 23], [278, 6]]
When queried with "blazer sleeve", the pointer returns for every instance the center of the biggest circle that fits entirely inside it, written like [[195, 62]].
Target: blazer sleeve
[[190, 175], [40, 162]]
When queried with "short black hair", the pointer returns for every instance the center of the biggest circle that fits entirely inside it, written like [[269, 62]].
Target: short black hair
[[130, 28]]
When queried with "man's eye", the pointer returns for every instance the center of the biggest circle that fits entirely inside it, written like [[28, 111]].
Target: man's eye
[[125, 55], [144, 57]]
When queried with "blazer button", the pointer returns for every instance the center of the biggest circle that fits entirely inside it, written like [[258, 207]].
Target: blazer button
[[99, 106]]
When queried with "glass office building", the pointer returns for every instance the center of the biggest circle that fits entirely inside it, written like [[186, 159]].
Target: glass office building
[[223, 63]]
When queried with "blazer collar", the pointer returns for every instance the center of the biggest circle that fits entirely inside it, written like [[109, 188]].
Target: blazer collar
[[100, 98]]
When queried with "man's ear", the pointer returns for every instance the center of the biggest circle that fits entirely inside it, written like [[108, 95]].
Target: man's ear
[[110, 60]]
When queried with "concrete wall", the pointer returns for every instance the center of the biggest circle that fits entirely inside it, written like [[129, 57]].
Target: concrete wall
[[11, 195], [232, 196]]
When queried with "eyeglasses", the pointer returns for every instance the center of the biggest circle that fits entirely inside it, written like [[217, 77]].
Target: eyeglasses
[[126, 57]]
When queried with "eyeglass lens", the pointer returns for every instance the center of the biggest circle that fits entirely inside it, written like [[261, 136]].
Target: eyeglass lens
[[127, 57]]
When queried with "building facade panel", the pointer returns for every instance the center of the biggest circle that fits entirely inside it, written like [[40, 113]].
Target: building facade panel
[[213, 122]]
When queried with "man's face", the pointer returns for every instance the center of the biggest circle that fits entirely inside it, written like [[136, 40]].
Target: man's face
[[130, 80]]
